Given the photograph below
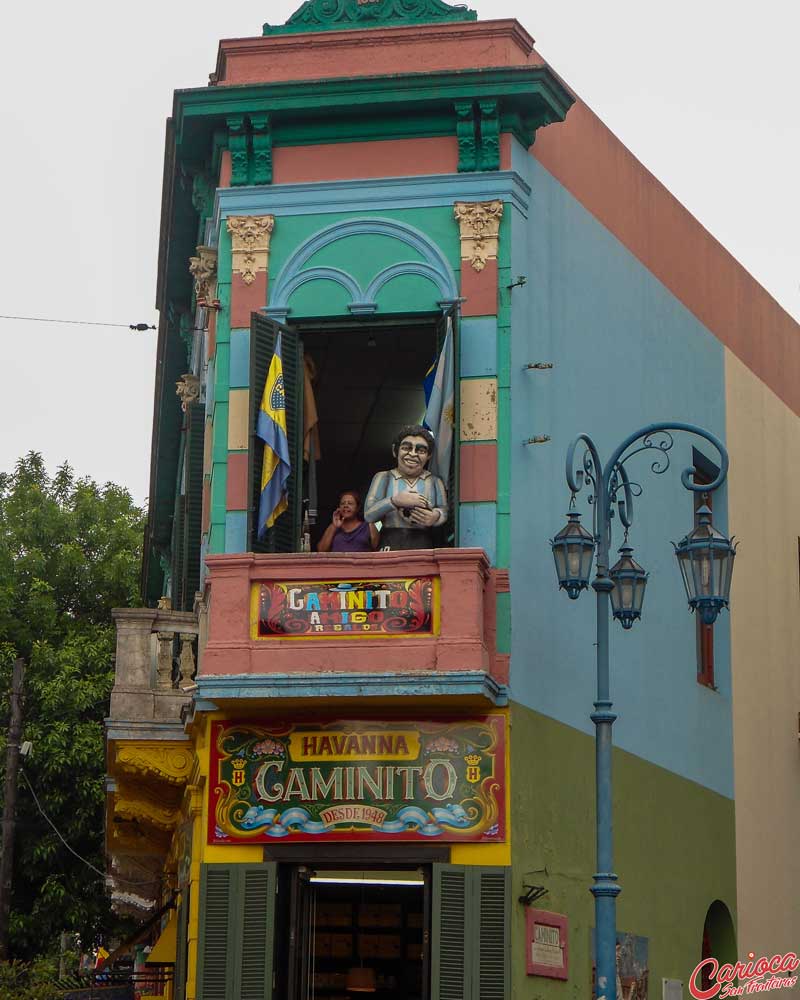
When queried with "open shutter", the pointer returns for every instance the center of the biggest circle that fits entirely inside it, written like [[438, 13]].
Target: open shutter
[[470, 957], [257, 929], [193, 528], [237, 921], [493, 912], [285, 535], [178, 553], [182, 934], [449, 968]]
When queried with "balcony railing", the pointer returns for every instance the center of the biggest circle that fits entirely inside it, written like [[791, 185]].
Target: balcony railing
[[402, 615], [156, 659]]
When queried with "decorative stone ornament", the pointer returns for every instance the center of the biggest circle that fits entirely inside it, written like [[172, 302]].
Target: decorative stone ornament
[[203, 268], [250, 237], [333, 15], [479, 223], [188, 389]]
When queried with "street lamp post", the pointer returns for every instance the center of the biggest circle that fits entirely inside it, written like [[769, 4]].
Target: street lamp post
[[705, 557]]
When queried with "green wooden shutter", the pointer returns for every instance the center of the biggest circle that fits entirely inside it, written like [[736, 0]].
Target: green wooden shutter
[[178, 553], [237, 922], [258, 925], [471, 911], [493, 911], [449, 969], [193, 527], [285, 535], [182, 933]]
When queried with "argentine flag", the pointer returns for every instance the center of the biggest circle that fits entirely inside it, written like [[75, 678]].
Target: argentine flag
[[271, 428], [440, 405]]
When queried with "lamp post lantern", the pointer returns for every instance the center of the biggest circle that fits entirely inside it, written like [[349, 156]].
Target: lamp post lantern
[[705, 557]]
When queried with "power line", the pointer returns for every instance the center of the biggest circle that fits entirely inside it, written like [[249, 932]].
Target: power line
[[71, 849], [140, 327]]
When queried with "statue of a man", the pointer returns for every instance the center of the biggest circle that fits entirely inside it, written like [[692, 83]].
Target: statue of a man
[[408, 500]]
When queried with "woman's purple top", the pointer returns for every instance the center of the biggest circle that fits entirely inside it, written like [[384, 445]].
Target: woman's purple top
[[352, 541]]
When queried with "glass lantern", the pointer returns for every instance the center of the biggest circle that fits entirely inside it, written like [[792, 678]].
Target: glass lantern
[[629, 581], [573, 551], [705, 557]]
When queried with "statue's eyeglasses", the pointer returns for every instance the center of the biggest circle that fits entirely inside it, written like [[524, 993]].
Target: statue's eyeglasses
[[419, 449]]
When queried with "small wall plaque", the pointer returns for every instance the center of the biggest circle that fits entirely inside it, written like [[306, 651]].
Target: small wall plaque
[[546, 952]]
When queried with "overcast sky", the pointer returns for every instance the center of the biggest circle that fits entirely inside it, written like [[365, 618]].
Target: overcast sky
[[703, 92]]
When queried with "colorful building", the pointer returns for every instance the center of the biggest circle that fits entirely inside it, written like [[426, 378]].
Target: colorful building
[[376, 770]]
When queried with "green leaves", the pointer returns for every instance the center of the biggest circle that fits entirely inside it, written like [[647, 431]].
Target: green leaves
[[70, 551]]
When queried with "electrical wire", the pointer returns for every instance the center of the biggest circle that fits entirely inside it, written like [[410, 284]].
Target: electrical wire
[[57, 832], [140, 327]]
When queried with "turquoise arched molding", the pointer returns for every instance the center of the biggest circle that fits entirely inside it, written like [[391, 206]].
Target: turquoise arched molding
[[295, 273]]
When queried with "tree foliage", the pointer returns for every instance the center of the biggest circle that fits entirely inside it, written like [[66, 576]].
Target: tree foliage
[[70, 551]]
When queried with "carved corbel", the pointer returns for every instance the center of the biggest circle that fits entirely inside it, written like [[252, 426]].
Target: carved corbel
[[250, 238], [188, 389], [145, 812], [172, 765], [203, 268], [479, 223]]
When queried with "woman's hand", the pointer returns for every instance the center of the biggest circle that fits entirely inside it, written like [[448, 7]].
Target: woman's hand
[[338, 520]]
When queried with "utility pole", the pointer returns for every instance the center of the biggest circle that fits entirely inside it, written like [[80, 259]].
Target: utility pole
[[10, 804]]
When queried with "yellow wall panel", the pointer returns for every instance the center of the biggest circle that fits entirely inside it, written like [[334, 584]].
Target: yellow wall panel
[[479, 409], [238, 420]]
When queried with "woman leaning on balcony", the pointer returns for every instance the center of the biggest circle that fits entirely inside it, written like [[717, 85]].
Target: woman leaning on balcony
[[348, 531]]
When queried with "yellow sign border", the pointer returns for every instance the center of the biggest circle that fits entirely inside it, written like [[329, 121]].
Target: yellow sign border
[[255, 596]]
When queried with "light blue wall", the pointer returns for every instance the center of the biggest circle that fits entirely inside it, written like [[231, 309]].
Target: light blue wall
[[625, 353]]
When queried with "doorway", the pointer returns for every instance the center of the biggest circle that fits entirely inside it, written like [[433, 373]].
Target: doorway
[[368, 383], [353, 933]]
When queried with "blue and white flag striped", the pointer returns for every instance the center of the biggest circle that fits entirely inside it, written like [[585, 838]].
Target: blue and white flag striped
[[440, 394]]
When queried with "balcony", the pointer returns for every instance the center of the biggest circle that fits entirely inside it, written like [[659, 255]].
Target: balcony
[[388, 624], [156, 658]]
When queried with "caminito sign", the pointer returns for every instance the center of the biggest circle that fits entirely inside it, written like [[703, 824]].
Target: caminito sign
[[397, 780], [346, 609]]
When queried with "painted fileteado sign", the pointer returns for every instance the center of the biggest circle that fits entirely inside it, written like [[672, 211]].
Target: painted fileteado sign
[[346, 608], [363, 780]]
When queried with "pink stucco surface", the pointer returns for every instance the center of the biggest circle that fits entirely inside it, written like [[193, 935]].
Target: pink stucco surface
[[466, 640], [416, 48], [387, 158]]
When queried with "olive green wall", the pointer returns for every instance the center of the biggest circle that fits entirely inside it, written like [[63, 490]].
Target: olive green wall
[[673, 851]]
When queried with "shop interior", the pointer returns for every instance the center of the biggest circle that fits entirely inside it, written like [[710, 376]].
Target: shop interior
[[356, 933]]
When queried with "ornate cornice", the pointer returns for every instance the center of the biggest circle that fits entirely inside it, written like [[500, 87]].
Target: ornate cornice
[[145, 810], [335, 15], [188, 389], [479, 223], [250, 238], [169, 764], [203, 268]]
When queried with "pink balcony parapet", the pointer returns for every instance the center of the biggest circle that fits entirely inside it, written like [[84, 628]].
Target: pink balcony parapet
[[464, 639]]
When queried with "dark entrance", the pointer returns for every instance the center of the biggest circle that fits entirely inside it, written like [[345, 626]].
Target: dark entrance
[[349, 933], [369, 383], [368, 379]]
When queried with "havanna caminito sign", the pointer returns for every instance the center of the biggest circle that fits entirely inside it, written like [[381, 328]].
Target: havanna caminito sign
[[346, 609], [358, 780]]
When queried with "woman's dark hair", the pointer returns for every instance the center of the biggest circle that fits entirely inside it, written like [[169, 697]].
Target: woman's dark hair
[[355, 495], [414, 430]]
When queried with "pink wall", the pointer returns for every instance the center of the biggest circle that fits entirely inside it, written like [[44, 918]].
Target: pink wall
[[373, 52], [341, 161], [466, 638]]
